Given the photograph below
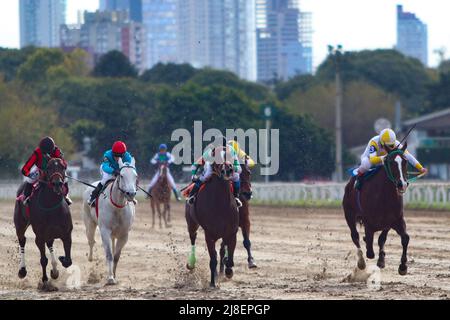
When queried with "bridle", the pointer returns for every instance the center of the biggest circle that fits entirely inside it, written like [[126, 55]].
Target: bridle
[[388, 169], [118, 179]]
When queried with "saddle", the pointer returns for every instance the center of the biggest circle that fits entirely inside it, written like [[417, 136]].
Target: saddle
[[366, 177], [187, 191]]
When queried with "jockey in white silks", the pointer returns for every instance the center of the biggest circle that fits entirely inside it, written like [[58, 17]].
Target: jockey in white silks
[[376, 151], [164, 157]]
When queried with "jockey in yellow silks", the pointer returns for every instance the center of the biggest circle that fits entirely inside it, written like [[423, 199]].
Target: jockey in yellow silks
[[377, 149], [242, 156]]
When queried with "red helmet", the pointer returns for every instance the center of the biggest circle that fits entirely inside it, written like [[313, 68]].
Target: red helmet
[[119, 148]]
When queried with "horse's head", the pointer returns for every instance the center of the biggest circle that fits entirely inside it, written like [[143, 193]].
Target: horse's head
[[163, 170], [127, 179], [222, 165], [395, 165], [56, 174]]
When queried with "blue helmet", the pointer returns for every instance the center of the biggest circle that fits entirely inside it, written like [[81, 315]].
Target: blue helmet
[[163, 147]]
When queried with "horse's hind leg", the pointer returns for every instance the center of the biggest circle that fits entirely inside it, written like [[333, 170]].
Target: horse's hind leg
[[107, 245], [152, 202], [192, 228], [169, 218], [401, 230], [54, 273], [368, 238], [120, 243], [222, 254], [91, 226], [381, 241], [66, 261], [351, 222], [22, 266]]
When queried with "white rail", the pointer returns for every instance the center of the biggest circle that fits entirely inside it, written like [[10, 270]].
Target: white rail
[[420, 193]]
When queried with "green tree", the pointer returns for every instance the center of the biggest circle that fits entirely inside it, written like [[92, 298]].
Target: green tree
[[388, 69], [302, 82], [12, 59], [114, 64], [170, 74]]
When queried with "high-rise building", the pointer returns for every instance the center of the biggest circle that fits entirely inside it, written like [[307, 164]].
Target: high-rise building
[[284, 39], [218, 33], [134, 7], [104, 31], [161, 22], [40, 21], [412, 35]]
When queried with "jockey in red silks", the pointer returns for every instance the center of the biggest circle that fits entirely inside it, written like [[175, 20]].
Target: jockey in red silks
[[37, 164]]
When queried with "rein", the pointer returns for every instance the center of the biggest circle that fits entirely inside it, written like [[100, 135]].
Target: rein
[[388, 168], [119, 188]]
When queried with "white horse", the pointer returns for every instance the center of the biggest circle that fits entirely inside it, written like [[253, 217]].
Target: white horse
[[116, 210]]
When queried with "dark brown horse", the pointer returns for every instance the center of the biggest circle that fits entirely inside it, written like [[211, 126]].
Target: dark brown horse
[[244, 216], [215, 210], [50, 219], [161, 195], [379, 207]]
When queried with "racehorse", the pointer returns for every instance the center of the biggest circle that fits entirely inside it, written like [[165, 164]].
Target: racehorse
[[244, 216], [215, 210], [50, 219], [160, 194], [113, 214], [379, 207]]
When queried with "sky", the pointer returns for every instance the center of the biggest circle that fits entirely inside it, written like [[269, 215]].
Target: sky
[[356, 24]]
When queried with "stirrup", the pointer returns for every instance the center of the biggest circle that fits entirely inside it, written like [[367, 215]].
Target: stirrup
[[238, 202], [26, 201], [91, 202], [68, 200], [191, 199]]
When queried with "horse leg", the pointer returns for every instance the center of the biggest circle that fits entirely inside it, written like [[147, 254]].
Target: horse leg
[[381, 241], [165, 215], [401, 230], [44, 261], [54, 273], [22, 266], [152, 202], [351, 222], [192, 228], [368, 238], [222, 254], [107, 245], [158, 208], [245, 226], [66, 261], [211, 244], [169, 218], [91, 226], [118, 250], [229, 258]]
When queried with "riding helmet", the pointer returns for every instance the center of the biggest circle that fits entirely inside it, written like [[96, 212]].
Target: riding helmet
[[119, 148], [47, 145], [388, 138], [163, 147]]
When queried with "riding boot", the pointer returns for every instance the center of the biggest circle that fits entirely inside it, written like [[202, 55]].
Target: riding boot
[[27, 193], [177, 195], [95, 194], [236, 190], [67, 198], [193, 193]]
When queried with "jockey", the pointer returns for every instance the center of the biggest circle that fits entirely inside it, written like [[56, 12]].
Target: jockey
[[204, 162], [37, 162], [164, 157], [377, 150], [110, 166], [242, 156]]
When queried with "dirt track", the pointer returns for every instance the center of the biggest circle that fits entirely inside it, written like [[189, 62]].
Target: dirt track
[[301, 254]]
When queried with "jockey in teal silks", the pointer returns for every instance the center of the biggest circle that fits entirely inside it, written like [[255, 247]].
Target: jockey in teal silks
[[110, 166], [160, 158]]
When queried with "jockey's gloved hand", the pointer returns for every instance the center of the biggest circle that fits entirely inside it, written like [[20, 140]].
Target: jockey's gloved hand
[[424, 170], [33, 175], [116, 172], [195, 178]]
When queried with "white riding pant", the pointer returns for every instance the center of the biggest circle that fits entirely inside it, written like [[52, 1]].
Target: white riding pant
[[34, 175], [365, 164], [169, 179], [105, 176]]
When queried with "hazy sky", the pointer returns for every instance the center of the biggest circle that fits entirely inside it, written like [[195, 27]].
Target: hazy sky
[[356, 24]]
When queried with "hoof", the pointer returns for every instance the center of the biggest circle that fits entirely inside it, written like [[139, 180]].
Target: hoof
[[111, 282], [190, 268], [251, 264], [229, 273], [403, 270], [66, 262], [380, 264], [22, 273], [361, 261], [222, 269], [370, 255], [47, 287], [54, 274], [90, 259], [212, 285]]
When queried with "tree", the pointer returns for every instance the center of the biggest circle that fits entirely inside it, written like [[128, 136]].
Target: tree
[[302, 82], [114, 64], [388, 69], [363, 104], [12, 59], [439, 93], [34, 70], [170, 74]]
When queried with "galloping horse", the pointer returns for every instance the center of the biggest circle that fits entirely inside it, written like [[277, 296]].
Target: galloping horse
[[379, 206], [113, 214], [215, 210], [244, 216], [50, 219], [161, 195]]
